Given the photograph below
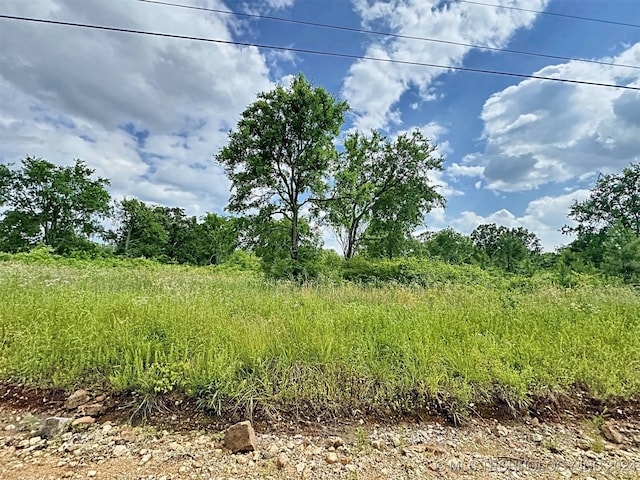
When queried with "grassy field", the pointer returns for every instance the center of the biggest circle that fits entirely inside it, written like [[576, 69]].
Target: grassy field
[[233, 340]]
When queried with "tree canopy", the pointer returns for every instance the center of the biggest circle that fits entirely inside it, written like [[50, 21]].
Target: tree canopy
[[280, 151], [608, 225], [449, 246], [58, 206], [290, 177], [381, 190], [614, 199], [505, 247], [169, 234]]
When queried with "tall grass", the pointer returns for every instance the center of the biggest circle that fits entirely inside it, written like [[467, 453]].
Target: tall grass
[[233, 339]]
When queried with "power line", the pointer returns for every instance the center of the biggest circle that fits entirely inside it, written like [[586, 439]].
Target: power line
[[314, 52], [385, 34], [563, 15]]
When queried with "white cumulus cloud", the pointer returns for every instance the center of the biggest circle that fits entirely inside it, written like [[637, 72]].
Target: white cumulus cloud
[[543, 216], [147, 112], [373, 89], [538, 132]]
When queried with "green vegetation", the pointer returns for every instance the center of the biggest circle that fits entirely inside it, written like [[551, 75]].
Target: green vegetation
[[45, 203], [441, 321], [279, 154], [236, 341], [381, 192], [288, 178]]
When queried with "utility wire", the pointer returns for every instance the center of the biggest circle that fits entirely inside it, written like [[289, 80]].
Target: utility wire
[[314, 52], [385, 34], [575, 17]]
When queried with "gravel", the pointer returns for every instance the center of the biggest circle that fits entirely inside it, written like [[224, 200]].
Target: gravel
[[482, 449]]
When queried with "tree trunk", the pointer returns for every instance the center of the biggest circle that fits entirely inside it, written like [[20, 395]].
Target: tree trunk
[[348, 248], [294, 235], [127, 241]]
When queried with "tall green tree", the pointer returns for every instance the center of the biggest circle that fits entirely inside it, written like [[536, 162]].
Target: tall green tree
[[608, 225], [615, 199], [279, 154], [381, 190], [169, 234], [182, 234], [5, 181], [218, 237], [506, 247], [586, 251], [621, 253], [270, 242], [141, 230], [61, 207], [449, 246]]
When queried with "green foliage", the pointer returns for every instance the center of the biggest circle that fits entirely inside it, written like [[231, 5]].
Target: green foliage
[[587, 250], [58, 206], [279, 154], [507, 248], [388, 239], [621, 254], [412, 271], [241, 260], [169, 235], [271, 243], [448, 246], [238, 343], [329, 266], [217, 238], [608, 226], [6, 176], [614, 200], [141, 231], [100, 256], [381, 189]]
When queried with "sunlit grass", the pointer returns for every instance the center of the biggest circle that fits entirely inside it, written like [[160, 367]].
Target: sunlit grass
[[234, 339]]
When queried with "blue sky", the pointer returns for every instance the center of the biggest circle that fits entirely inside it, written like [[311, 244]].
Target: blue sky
[[150, 113]]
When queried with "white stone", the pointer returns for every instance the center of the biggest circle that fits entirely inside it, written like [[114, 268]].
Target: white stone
[[120, 450], [331, 458]]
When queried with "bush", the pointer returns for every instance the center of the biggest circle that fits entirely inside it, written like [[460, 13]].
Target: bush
[[240, 260], [419, 271]]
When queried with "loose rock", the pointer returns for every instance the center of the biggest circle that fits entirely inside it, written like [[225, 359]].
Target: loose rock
[[120, 450], [282, 460], [611, 433], [500, 431], [536, 438], [107, 428], [335, 442], [92, 409], [331, 458], [77, 398], [53, 426], [83, 421], [377, 444], [240, 438], [435, 449]]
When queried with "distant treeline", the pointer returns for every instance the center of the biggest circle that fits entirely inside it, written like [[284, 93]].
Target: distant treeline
[[288, 181], [63, 208]]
